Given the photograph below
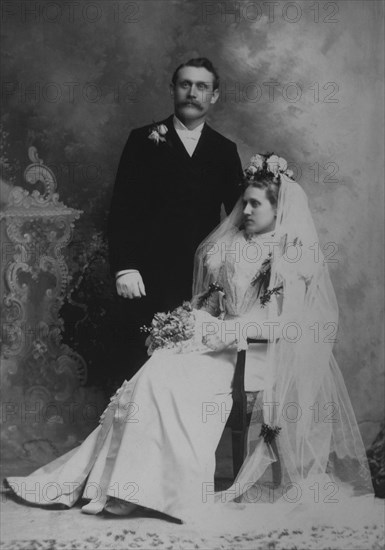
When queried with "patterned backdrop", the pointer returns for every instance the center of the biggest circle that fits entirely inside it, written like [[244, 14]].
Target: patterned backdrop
[[298, 78]]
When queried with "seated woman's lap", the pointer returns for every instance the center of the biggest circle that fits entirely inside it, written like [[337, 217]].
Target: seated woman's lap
[[210, 372]]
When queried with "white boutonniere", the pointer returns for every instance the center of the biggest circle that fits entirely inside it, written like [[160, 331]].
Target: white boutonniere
[[157, 133]]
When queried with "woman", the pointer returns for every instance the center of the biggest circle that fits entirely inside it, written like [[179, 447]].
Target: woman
[[258, 275]]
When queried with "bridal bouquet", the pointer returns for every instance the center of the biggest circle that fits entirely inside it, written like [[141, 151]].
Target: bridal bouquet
[[170, 330], [179, 329]]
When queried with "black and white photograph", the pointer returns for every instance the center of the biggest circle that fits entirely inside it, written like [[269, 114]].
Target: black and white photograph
[[192, 275]]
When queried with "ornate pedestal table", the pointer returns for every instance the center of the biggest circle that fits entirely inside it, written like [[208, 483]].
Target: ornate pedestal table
[[45, 406]]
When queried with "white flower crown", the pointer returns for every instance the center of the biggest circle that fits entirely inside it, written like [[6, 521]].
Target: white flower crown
[[269, 163]]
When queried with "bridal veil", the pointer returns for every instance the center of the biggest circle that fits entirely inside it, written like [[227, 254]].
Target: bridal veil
[[319, 445]]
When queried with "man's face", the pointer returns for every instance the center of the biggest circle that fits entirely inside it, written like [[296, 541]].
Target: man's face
[[193, 93]]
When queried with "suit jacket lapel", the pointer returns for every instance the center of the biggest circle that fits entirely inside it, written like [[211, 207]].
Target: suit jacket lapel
[[174, 142], [202, 150], [203, 147]]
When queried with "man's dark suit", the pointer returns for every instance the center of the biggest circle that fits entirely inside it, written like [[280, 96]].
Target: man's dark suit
[[164, 204]]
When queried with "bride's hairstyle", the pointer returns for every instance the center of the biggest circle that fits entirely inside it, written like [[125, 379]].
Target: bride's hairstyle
[[265, 171], [264, 180]]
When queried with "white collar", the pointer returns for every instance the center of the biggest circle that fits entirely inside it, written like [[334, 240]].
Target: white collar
[[180, 127]]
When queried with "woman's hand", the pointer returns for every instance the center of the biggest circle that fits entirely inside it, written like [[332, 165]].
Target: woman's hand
[[214, 342]]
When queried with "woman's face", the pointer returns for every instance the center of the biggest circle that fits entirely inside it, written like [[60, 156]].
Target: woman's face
[[258, 212]]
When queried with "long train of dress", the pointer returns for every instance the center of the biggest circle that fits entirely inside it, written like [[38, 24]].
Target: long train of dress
[[155, 445]]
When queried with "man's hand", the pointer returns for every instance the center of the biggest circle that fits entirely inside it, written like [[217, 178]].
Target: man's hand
[[130, 285]]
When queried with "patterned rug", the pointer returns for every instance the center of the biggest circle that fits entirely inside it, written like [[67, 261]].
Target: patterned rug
[[319, 538]]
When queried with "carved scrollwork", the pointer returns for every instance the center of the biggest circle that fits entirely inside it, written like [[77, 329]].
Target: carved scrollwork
[[72, 364], [37, 172], [12, 333], [37, 227], [12, 339]]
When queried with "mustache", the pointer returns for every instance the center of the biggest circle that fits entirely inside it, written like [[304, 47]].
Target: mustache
[[185, 103]]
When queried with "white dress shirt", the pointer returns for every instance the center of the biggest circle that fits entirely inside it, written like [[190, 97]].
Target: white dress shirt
[[188, 137], [190, 140]]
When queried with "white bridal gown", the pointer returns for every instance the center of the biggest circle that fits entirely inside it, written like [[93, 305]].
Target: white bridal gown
[[156, 441]]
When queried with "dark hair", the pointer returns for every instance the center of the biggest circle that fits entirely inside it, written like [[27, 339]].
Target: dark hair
[[198, 62], [264, 180]]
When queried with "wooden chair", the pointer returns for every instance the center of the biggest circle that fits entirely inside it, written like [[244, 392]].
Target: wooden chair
[[239, 419]]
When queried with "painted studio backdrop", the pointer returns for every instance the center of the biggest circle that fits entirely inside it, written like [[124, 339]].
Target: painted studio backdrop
[[297, 78]]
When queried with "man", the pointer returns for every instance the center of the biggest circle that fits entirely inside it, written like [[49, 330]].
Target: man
[[172, 179]]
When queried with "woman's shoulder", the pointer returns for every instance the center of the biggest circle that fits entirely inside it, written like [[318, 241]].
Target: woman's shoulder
[[299, 261], [219, 249]]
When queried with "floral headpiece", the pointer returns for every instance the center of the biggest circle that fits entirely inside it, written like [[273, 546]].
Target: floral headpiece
[[267, 164]]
